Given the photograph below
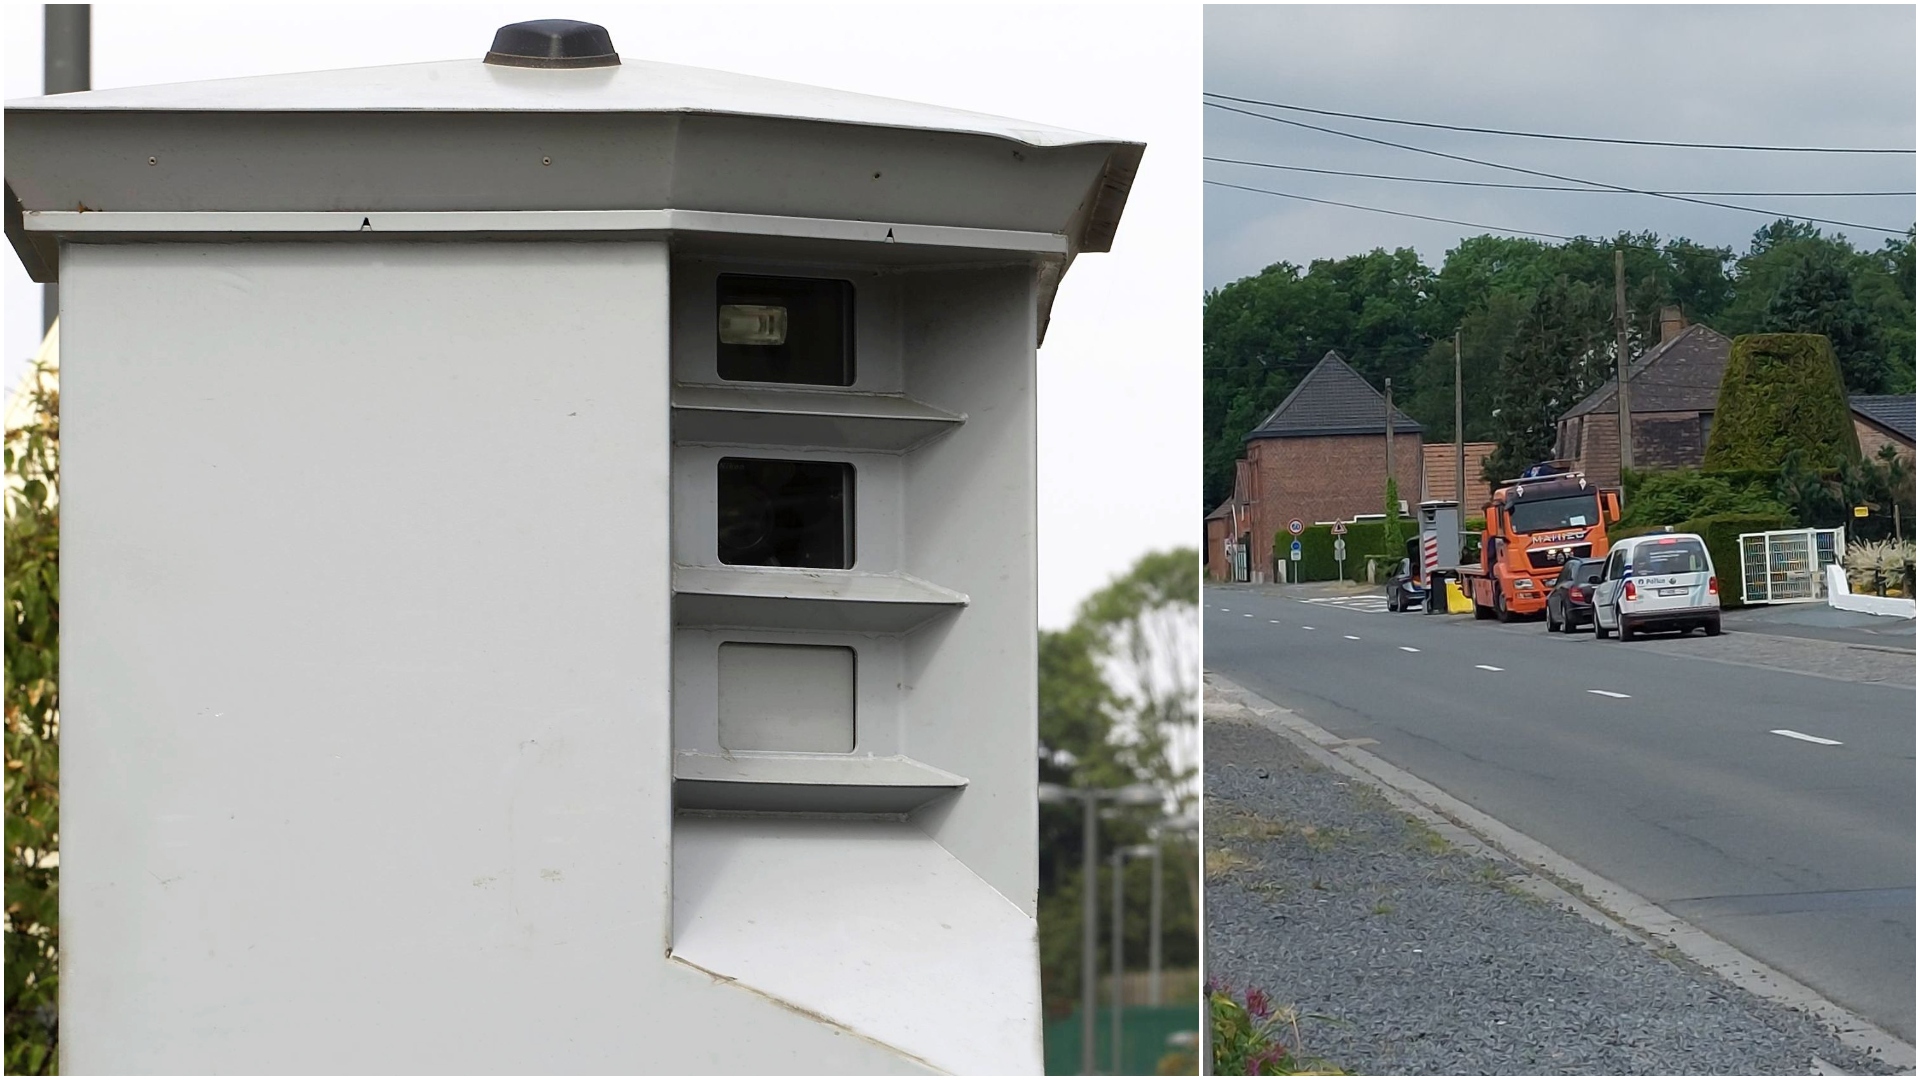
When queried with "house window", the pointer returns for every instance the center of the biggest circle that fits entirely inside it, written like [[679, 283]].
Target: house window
[[1706, 429]]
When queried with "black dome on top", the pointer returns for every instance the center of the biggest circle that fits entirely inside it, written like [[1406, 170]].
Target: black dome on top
[[553, 43]]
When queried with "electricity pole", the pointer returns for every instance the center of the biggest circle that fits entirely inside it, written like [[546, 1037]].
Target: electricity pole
[[1389, 431], [1459, 434], [69, 67], [1620, 361]]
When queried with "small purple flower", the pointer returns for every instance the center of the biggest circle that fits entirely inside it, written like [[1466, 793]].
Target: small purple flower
[[1215, 985], [1258, 1006]]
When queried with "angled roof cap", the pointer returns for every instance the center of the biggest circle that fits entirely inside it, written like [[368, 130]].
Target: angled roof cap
[[467, 136], [1891, 411], [633, 86], [1332, 400]]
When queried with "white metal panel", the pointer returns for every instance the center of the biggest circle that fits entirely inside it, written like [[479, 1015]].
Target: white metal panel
[[636, 86], [786, 697], [972, 707], [696, 684], [364, 675], [869, 924]]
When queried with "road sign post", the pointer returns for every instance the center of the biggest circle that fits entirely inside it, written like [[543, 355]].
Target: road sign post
[[1340, 555]]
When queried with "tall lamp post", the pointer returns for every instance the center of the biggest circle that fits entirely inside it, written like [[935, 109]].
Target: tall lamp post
[[1183, 826], [1089, 800], [1116, 999]]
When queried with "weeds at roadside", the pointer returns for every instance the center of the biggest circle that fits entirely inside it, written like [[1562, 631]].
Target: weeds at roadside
[[1250, 1036], [1422, 837], [1220, 862]]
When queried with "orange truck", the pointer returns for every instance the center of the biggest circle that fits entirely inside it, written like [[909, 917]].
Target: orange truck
[[1533, 526]]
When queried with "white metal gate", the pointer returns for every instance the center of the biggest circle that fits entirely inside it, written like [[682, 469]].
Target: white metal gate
[[1787, 565]]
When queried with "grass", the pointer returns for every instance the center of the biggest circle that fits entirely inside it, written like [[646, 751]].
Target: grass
[[1221, 862], [1422, 837]]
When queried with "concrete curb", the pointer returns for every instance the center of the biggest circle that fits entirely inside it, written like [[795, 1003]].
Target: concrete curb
[[1556, 878]]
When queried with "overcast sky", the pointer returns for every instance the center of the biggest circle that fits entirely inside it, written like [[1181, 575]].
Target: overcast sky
[[1806, 76], [1120, 375]]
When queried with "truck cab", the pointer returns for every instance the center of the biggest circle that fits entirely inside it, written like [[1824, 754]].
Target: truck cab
[[1534, 524]]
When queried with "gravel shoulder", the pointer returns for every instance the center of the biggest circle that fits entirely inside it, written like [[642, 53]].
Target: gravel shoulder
[[1408, 955]]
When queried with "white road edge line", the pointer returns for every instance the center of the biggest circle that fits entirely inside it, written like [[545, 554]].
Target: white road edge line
[[1608, 693], [1806, 738], [1490, 667], [1409, 648]]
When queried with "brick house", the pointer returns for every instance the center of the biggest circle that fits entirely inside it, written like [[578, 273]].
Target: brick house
[[1437, 469], [1675, 387], [1219, 533], [1321, 456], [1883, 420]]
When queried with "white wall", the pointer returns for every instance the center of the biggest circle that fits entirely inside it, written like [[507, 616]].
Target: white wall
[[365, 687]]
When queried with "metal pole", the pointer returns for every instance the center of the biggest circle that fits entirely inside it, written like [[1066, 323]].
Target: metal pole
[[69, 68], [1620, 362], [1153, 929], [1459, 433], [1119, 917], [1089, 928]]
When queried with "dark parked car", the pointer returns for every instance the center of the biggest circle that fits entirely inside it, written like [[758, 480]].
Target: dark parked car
[[1570, 603], [1405, 590]]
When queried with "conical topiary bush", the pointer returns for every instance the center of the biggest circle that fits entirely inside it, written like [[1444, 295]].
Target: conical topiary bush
[[1781, 393]]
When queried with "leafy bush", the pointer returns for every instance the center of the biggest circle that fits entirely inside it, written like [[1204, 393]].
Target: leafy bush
[[1248, 1036], [1664, 498], [33, 729], [1781, 393]]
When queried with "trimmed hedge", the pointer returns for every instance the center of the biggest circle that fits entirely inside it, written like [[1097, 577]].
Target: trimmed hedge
[[1781, 393], [1672, 495], [1316, 563], [1722, 534]]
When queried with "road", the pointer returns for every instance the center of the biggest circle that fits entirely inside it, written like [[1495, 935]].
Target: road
[[1659, 770]]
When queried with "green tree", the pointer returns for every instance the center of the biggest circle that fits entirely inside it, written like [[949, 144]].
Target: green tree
[[1816, 296], [1563, 351], [1394, 533], [1117, 692], [33, 729]]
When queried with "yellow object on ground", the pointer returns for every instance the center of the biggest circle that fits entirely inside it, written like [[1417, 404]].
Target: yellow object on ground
[[1457, 602]]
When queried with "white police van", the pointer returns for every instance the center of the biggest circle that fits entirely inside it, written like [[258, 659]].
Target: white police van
[[1664, 581]]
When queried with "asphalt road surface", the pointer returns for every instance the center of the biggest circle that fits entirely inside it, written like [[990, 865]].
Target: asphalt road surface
[[1772, 809]]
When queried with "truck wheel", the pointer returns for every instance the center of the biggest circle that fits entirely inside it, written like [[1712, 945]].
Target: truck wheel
[[1500, 600]]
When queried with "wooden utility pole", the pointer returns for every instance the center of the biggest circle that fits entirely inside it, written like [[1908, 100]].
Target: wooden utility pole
[[1459, 433], [1620, 362], [1389, 431]]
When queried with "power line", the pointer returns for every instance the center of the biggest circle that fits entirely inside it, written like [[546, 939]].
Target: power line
[[1562, 138], [1553, 176], [1552, 187], [1395, 213]]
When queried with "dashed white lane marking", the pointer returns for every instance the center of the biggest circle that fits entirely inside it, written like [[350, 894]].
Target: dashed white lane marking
[[1490, 667], [1309, 627], [1608, 693], [1250, 616], [1806, 738], [1409, 648], [1350, 637], [1276, 622]]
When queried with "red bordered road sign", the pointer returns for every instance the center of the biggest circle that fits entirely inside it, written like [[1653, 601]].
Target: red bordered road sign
[[1295, 527], [1339, 528]]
